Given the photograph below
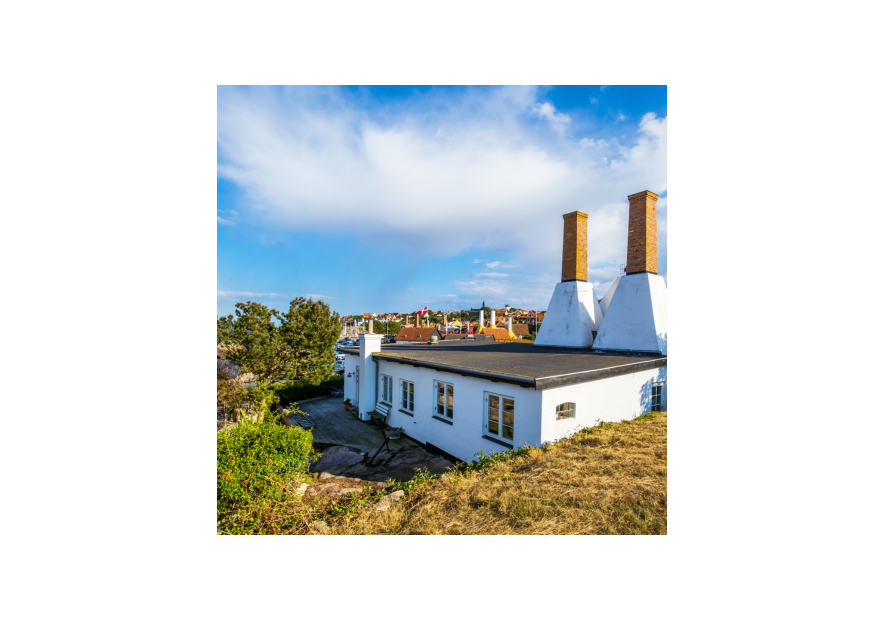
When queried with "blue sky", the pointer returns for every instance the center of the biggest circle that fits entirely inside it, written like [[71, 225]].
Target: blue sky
[[387, 199]]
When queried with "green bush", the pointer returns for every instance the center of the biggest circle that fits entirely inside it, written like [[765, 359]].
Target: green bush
[[295, 391], [254, 459], [528, 337]]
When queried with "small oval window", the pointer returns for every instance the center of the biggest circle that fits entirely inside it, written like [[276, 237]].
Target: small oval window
[[565, 411]]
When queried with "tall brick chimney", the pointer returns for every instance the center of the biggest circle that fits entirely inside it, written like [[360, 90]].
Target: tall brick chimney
[[642, 238], [574, 246], [573, 314]]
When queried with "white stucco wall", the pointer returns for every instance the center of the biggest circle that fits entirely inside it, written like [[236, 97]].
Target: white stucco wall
[[368, 383], [609, 400], [572, 316], [636, 319], [351, 362], [464, 437]]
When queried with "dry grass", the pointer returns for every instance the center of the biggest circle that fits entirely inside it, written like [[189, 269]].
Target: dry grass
[[611, 480]]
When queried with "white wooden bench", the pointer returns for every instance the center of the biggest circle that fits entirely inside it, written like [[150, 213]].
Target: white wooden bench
[[381, 412]]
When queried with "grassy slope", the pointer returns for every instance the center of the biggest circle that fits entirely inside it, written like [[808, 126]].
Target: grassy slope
[[611, 480]]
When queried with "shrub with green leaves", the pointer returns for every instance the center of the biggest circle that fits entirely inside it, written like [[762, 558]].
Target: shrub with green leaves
[[255, 459], [295, 391]]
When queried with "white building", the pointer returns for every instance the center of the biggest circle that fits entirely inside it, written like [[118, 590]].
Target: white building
[[467, 397]]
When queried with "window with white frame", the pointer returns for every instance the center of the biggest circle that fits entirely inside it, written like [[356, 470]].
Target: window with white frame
[[499, 416], [657, 396], [386, 389], [565, 411], [407, 395], [444, 406]]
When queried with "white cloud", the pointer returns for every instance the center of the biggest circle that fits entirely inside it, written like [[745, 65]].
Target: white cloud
[[228, 212], [493, 265], [590, 143], [557, 120], [301, 154], [495, 275], [482, 287]]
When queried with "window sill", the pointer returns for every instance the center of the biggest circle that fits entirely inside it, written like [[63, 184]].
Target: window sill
[[449, 422], [498, 441], [406, 412]]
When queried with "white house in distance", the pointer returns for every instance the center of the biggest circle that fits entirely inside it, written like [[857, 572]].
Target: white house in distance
[[466, 397]]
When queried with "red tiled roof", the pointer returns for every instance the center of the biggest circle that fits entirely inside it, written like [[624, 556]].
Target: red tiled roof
[[497, 332], [521, 329], [416, 334]]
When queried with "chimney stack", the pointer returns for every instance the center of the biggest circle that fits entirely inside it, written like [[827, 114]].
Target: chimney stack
[[574, 247], [509, 323], [573, 315], [636, 314], [482, 315], [642, 238], [493, 323]]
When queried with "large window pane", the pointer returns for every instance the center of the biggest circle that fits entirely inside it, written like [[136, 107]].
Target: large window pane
[[493, 402], [450, 402], [440, 399], [508, 433], [493, 427], [508, 418]]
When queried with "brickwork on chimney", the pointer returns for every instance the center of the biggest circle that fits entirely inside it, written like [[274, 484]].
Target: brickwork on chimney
[[642, 236], [574, 247]]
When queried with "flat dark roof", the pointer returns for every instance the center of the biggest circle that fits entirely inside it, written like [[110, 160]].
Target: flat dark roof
[[517, 362]]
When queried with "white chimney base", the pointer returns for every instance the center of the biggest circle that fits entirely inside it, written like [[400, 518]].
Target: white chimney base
[[607, 299], [636, 318], [572, 317]]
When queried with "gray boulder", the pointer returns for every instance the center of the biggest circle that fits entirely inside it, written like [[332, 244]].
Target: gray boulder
[[338, 458], [388, 500]]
